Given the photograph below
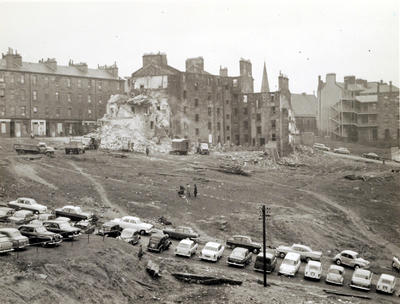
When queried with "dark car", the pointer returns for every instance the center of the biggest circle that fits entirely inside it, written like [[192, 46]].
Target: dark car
[[38, 234], [181, 232], [371, 155], [270, 261], [110, 229], [86, 226], [244, 242], [159, 242], [75, 213], [239, 257], [19, 241], [63, 228]]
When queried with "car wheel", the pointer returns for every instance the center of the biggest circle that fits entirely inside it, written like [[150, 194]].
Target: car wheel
[[256, 251], [356, 266], [282, 254], [142, 232], [338, 262], [307, 260]]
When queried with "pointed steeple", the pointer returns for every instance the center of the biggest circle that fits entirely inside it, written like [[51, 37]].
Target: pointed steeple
[[264, 83]]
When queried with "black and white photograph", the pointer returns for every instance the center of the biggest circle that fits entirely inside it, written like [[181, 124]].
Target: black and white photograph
[[199, 152]]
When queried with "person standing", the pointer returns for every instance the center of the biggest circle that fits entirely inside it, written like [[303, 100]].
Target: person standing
[[188, 190], [147, 151], [140, 252], [195, 190]]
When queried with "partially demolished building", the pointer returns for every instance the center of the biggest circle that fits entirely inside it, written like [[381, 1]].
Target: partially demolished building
[[217, 108]]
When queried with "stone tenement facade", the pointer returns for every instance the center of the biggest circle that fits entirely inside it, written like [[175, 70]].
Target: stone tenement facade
[[217, 108], [47, 99]]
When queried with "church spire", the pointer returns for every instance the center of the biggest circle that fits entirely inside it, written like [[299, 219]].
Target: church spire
[[264, 83]]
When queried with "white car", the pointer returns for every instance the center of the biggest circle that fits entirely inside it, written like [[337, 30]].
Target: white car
[[21, 217], [27, 204], [350, 258], [212, 251], [186, 247], [335, 275], [306, 253], [130, 236], [313, 270], [361, 279], [134, 223], [321, 147], [396, 263], [386, 284], [341, 150], [290, 264]]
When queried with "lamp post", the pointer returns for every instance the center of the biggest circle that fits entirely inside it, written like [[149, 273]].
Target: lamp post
[[265, 212]]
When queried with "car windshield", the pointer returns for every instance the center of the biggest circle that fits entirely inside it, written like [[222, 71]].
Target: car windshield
[[239, 253], [184, 245], [314, 267], [156, 238], [41, 229], [335, 271], [65, 225], [361, 275], [211, 248], [386, 281], [14, 234], [289, 262]]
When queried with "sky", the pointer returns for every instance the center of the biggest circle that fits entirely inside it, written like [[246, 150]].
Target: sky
[[301, 39]]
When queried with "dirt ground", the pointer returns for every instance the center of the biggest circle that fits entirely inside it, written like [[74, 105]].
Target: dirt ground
[[311, 204]]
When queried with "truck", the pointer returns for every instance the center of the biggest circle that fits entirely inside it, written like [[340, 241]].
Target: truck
[[40, 148], [180, 146], [203, 148], [75, 146]]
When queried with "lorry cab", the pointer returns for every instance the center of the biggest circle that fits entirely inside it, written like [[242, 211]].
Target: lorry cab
[[203, 148]]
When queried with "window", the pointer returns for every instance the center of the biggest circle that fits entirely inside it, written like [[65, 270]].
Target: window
[[89, 83], [34, 80], [22, 95], [1, 76], [197, 131], [184, 110], [209, 125], [246, 124], [23, 110], [245, 111], [218, 111], [22, 79], [89, 112], [196, 85], [69, 97], [235, 83], [273, 137], [2, 92], [46, 111], [235, 111], [3, 128], [34, 95], [262, 141], [185, 125], [46, 81], [387, 134], [218, 126], [228, 138], [184, 94], [227, 101], [80, 97], [228, 128], [273, 110], [79, 83], [245, 98], [196, 102], [228, 116], [246, 138], [68, 82], [258, 130], [273, 124], [57, 80], [11, 78], [100, 101], [89, 98], [35, 109], [258, 117], [209, 111], [196, 117], [209, 97], [58, 112], [2, 110], [151, 125], [100, 84], [69, 112], [257, 104], [57, 96]]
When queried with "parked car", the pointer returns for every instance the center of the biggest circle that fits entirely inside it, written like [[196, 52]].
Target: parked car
[[130, 236], [186, 247], [371, 155], [335, 275], [38, 234], [75, 213], [290, 264], [159, 242], [6, 244], [350, 258], [19, 241], [21, 217], [321, 147], [239, 257], [396, 263], [244, 242], [27, 204], [45, 216], [313, 270], [361, 279], [5, 213], [85, 226], [203, 149], [341, 150], [62, 219], [134, 223], [62, 228], [306, 253], [212, 251], [111, 229], [386, 284], [181, 232], [270, 261]]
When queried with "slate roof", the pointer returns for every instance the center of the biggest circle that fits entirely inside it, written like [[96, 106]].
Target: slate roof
[[304, 105], [42, 68], [153, 70]]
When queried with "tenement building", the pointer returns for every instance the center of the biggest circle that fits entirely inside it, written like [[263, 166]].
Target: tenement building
[[47, 99], [218, 109], [305, 112], [359, 111]]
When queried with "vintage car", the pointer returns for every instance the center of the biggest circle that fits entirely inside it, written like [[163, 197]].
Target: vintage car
[[62, 219], [5, 213], [27, 204], [181, 232], [62, 228], [21, 217], [321, 147], [239, 257], [371, 155], [270, 261], [159, 242], [361, 279], [313, 270], [350, 258], [341, 150], [19, 241], [186, 247], [306, 253], [244, 242], [85, 226], [386, 284], [290, 264], [130, 236], [212, 251], [75, 213], [45, 216], [396, 263], [111, 229], [38, 234], [6, 244], [335, 275], [134, 223]]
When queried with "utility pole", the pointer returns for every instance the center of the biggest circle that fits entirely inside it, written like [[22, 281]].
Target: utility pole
[[266, 212]]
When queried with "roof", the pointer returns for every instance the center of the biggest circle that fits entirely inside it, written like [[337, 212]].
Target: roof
[[349, 252], [268, 254], [130, 217], [383, 88], [367, 98], [362, 271], [153, 70], [23, 212], [239, 250], [314, 263], [212, 244], [42, 68], [292, 255], [304, 105], [387, 277], [8, 230], [186, 241], [70, 206], [341, 268], [27, 198]]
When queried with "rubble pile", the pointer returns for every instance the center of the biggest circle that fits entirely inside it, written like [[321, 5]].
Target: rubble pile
[[245, 158], [133, 124]]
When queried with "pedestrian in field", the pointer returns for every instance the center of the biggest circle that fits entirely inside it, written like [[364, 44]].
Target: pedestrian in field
[[181, 191], [147, 151], [188, 190], [140, 252], [195, 190]]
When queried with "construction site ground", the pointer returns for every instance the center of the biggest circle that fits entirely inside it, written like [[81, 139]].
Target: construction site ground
[[311, 203]]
